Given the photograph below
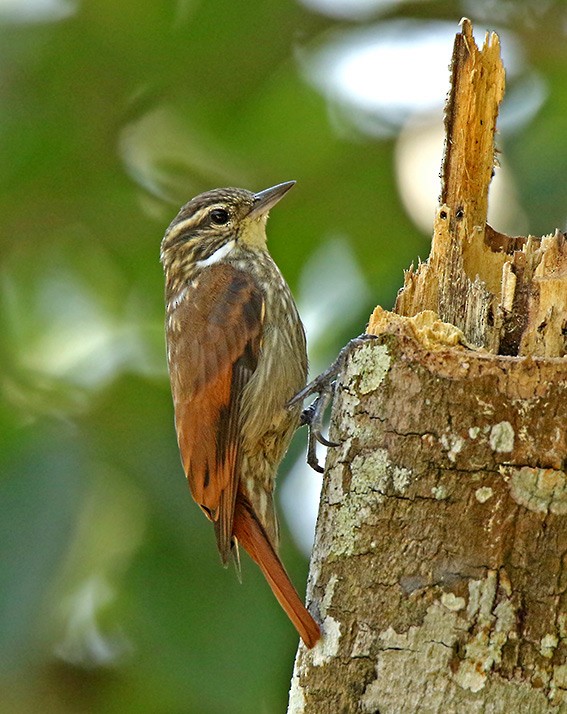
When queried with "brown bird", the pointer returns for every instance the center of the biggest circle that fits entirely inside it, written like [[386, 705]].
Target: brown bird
[[237, 355]]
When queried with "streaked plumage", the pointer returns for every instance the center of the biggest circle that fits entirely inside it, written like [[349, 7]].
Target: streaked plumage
[[237, 354]]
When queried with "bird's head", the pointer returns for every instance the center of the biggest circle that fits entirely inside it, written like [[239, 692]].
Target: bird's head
[[208, 228]]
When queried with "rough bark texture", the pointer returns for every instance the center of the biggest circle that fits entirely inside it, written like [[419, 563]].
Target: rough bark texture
[[439, 568]]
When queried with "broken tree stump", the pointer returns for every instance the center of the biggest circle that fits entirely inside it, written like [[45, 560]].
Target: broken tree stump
[[437, 571]]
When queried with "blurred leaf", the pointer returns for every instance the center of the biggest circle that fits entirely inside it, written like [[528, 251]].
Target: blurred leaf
[[113, 115]]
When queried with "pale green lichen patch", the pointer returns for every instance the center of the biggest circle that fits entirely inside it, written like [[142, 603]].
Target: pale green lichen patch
[[453, 445], [335, 493], [483, 494], [371, 475], [492, 627], [560, 676], [548, 645], [468, 675], [371, 364], [349, 404], [481, 597], [452, 602], [440, 493], [501, 437], [558, 684], [539, 490], [425, 649], [368, 473], [400, 478], [423, 656]]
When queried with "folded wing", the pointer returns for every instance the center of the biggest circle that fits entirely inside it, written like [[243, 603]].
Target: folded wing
[[214, 340]]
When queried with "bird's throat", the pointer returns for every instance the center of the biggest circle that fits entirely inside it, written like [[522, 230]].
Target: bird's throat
[[253, 232]]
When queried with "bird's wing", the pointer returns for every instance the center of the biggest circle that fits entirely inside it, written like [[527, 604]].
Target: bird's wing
[[214, 336]]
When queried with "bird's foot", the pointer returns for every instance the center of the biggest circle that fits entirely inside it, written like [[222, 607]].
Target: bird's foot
[[324, 386]]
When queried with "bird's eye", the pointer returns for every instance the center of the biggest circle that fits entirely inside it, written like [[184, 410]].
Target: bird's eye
[[219, 216]]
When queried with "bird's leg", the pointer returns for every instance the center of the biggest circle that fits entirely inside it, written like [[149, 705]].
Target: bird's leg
[[323, 385]]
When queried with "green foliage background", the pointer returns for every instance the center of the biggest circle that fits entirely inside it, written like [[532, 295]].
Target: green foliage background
[[111, 596]]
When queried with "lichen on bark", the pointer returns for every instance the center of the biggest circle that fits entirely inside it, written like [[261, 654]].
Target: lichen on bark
[[438, 568]]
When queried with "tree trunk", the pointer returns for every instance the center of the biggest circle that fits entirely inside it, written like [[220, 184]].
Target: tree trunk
[[437, 571]]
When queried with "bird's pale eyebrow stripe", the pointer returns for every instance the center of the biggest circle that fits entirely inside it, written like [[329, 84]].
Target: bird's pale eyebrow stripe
[[196, 218], [187, 223], [218, 255]]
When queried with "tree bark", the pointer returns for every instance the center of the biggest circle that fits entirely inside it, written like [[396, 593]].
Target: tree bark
[[438, 566]]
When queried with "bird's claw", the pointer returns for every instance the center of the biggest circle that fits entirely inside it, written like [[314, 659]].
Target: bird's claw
[[324, 386]]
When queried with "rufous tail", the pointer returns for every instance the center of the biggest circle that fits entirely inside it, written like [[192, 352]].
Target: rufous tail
[[253, 538]]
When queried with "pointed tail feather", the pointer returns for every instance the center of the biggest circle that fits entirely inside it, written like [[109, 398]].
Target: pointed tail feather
[[251, 535]]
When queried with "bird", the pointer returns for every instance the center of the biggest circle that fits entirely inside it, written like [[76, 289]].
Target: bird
[[236, 352]]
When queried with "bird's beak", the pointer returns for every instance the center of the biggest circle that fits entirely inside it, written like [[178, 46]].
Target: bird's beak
[[264, 200]]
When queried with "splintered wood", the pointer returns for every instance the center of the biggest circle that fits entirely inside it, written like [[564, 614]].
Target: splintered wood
[[508, 295], [438, 571]]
